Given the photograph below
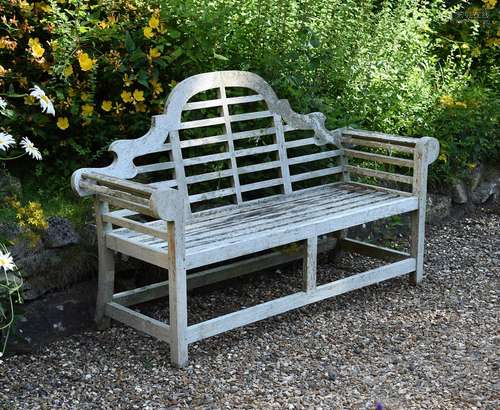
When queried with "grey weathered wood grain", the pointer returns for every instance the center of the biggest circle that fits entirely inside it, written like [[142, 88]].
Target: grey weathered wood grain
[[179, 239]]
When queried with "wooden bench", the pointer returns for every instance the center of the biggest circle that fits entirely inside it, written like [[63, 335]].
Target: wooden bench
[[228, 171]]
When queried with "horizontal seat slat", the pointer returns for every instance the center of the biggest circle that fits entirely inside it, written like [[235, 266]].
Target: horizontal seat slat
[[282, 218], [268, 206], [314, 157], [216, 251], [265, 219]]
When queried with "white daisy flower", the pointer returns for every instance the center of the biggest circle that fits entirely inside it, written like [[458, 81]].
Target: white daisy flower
[[45, 103], [6, 140], [3, 104], [6, 261], [30, 148]]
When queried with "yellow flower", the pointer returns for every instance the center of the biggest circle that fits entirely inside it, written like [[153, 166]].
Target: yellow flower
[[25, 6], [119, 108], [62, 123], [489, 4], [86, 96], [36, 48], [3, 71], [6, 42], [148, 32], [112, 20], [107, 105], [446, 100], [87, 109], [443, 157], [476, 52], [138, 95], [127, 80], [86, 63], [154, 53], [68, 71], [126, 96], [44, 7], [460, 104], [157, 88], [154, 21]]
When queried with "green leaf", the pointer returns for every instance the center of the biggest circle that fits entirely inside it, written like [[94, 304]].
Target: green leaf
[[220, 57], [174, 33], [129, 42]]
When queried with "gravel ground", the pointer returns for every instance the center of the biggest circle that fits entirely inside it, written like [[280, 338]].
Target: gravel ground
[[435, 346]]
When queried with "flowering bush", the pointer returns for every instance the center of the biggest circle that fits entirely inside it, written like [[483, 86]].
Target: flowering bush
[[108, 66], [31, 216]]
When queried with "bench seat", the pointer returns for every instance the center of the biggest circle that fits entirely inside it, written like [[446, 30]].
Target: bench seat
[[216, 236]]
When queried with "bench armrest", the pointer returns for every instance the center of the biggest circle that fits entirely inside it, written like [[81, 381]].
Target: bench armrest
[[164, 203], [426, 147]]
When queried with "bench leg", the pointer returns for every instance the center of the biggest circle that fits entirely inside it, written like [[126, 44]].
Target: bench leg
[[106, 278], [310, 263], [177, 295], [417, 239]]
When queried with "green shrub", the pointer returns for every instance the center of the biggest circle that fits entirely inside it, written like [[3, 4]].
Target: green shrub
[[381, 65]]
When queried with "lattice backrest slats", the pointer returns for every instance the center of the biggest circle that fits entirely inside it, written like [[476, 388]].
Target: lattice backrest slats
[[225, 138]]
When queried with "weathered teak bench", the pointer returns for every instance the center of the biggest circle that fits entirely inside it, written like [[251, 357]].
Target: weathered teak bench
[[221, 176]]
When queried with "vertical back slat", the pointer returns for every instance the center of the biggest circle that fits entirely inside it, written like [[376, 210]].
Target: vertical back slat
[[229, 142], [179, 173], [279, 139]]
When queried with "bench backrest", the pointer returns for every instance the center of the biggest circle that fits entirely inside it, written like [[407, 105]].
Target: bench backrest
[[229, 143]]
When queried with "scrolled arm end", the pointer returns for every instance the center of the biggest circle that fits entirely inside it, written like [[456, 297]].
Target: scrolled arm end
[[429, 146], [169, 204]]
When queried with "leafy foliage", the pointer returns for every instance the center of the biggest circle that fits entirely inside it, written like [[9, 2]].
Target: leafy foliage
[[400, 67]]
